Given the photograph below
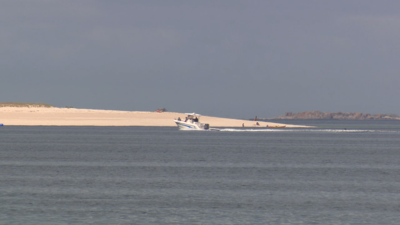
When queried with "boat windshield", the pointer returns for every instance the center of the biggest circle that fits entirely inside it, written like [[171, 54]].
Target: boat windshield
[[191, 117], [195, 118]]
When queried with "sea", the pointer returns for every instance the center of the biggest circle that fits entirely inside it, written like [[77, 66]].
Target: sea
[[338, 172]]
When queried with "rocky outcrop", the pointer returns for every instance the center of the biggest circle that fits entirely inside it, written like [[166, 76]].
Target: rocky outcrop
[[317, 115]]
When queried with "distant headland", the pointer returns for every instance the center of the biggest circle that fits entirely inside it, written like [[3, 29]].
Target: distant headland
[[317, 115]]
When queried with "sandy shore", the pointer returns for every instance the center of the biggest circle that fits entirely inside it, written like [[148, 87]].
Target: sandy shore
[[31, 116]]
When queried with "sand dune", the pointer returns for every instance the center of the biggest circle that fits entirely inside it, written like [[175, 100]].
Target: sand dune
[[38, 116]]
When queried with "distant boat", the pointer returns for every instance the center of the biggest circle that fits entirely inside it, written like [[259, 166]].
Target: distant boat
[[276, 126], [191, 123]]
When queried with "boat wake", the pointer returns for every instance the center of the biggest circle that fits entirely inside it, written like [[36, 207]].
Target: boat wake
[[307, 130]]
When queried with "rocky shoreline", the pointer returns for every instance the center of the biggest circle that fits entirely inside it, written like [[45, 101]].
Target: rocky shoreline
[[317, 115]]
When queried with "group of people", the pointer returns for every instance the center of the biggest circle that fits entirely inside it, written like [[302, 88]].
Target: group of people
[[186, 119], [257, 124]]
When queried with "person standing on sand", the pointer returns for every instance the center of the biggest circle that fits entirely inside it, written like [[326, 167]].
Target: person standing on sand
[[242, 124]]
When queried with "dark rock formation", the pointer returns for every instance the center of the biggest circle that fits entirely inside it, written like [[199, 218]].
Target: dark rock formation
[[317, 115]]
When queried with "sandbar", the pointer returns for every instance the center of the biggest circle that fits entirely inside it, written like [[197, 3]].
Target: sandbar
[[42, 116]]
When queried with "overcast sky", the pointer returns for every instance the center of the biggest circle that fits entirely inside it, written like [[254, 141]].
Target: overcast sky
[[226, 58]]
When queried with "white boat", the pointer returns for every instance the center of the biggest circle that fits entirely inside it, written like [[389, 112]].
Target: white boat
[[191, 122]]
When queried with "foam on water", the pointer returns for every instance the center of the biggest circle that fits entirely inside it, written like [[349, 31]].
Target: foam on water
[[308, 130]]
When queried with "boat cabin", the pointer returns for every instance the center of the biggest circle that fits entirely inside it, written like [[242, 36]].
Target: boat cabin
[[193, 116]]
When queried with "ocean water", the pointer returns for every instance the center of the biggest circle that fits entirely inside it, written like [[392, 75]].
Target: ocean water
[[341, 172]]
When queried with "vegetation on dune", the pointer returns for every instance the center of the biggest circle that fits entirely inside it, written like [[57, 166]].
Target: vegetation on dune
[[317, 115], [18, 104], [161, 110]]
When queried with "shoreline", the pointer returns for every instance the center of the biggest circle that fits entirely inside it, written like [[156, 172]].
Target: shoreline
[[39, 116]]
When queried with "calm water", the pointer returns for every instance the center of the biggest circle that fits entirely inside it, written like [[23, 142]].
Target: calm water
[[338, 173]]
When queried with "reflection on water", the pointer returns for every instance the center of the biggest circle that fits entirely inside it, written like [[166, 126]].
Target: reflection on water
[[141, 175]]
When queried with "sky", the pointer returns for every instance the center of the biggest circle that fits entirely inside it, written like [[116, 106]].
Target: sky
[[225, 58]]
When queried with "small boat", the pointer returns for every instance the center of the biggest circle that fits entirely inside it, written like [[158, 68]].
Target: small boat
[[276, 126], [191, 122]]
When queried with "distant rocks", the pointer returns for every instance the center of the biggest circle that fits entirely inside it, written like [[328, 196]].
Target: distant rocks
[[317, 115]]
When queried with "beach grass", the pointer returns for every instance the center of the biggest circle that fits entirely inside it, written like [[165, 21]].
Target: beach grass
[[19, 104]]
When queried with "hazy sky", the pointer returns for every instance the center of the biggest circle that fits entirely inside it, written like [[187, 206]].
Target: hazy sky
[[227, 58]]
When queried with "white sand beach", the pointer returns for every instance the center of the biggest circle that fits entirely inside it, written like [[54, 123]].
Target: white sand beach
[[41, 116]]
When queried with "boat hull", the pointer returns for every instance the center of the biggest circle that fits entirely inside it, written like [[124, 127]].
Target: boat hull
[[182, 125]]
